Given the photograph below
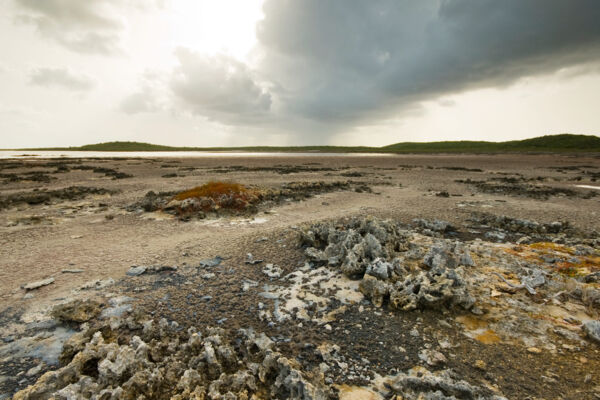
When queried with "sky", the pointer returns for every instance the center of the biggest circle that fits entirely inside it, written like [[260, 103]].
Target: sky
[[296, 72]]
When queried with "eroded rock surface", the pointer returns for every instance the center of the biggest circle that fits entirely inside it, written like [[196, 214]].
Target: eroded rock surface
[[164, 362], [391, 265]]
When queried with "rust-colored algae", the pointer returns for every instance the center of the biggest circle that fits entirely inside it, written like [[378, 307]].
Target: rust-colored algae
[[471, 323], [488, 337], [222, 195], [549, 246]]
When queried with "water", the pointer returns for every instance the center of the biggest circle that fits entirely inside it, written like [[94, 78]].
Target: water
[[170, 154], [588, 187]]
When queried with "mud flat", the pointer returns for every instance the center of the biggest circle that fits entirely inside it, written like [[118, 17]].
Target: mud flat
[[408, 277]]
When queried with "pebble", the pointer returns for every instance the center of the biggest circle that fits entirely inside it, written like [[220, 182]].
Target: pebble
[[480, 364], [136, 271], [38, 284], [534, 350], [35, 370]]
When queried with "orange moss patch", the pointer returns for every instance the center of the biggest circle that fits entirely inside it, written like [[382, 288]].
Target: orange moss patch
[[488, 337], [213, 190], [221, 195], [471, 323], [535, 251], [549, 246]]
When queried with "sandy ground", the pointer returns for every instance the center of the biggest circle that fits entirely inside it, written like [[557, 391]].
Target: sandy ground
[[98, 235]]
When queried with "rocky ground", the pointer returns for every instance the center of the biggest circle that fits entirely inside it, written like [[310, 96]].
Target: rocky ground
[[407, 277]]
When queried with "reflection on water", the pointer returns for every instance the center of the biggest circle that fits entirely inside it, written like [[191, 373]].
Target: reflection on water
[[173, 154]]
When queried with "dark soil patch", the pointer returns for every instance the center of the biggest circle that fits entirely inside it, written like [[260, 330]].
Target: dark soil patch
[[37, 197]]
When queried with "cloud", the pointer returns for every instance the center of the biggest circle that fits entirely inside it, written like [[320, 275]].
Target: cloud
[[88, 26], [61, 77], [151, 96], [349, 62], [219, 87], [139, 102]]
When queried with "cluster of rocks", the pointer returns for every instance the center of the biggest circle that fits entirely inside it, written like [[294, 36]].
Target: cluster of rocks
[[524, 226], [381, 254], [419, 383], [431, 228], [163, 361]]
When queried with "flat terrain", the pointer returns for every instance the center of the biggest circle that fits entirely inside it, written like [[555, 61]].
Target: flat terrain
[[84, 216]]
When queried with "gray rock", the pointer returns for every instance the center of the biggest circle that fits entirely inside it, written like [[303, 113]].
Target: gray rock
[[592, 330], [374, 289], [151, 269], [432, 289], [435, 225], [432, 358], [445, 254], [354, 246], [495, 236], [380, 269], [422, 384], [38, 284], [167, 364], [210, 262], [251, 260], [35, 370], [135, 271]]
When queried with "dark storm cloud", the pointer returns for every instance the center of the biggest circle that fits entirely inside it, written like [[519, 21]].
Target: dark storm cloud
[[346, 60], [61, 77], [83, 26]]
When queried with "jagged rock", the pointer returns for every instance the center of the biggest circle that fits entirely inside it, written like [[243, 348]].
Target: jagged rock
[[431, 289], [77, 311], [435, 225], [380, 269], [164, 362], [355, 245], [432, 358], [374, 289], [447, 255], [361, 248], [419, 384]]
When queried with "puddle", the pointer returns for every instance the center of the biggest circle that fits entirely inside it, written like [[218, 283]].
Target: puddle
[[588, 187], [45, 345]]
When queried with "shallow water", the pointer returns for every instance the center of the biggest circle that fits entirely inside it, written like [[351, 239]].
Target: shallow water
[[588, 187], [171, 154]]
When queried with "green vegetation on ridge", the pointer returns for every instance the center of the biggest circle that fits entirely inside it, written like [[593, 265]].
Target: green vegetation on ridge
[[549, 143]]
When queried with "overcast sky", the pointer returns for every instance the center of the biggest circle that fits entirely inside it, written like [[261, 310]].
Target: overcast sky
[[283, 72]]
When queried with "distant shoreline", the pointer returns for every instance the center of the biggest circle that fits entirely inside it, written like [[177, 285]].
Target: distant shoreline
[[564, 143]]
